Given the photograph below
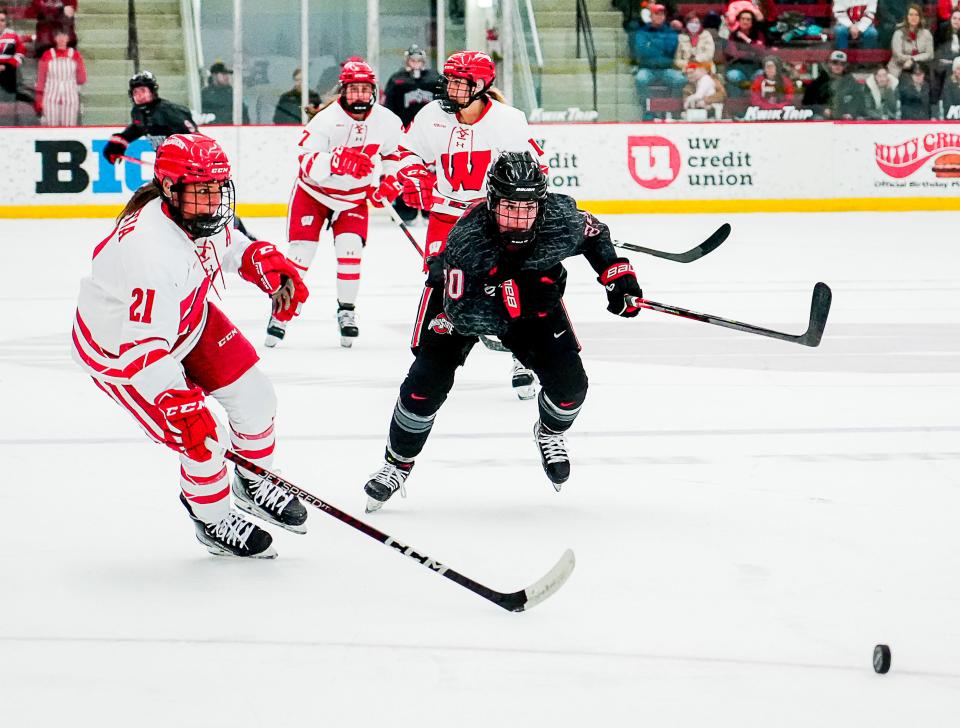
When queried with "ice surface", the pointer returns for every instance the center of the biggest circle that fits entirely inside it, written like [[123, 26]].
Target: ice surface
[[749, 517]]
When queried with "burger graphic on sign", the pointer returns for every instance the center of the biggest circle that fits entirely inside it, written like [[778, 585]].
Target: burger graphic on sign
[[947, 165]]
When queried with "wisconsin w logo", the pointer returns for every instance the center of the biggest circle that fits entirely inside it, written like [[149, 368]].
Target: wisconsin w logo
[[466, 170]]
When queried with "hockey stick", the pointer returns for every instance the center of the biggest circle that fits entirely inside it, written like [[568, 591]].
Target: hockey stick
[[132, 160], [819, 310], [707, 246], [403, 226], [517, 601]]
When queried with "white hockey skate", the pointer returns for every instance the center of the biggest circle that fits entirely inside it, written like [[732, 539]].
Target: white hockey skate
[[347, 320], [524, 382]]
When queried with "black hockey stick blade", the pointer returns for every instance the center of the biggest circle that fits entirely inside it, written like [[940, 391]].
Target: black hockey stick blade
[[819, 310], [492, 344], [707, 246], [518, 601]]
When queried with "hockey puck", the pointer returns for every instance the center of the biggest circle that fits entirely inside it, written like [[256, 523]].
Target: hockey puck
[[881, 659]]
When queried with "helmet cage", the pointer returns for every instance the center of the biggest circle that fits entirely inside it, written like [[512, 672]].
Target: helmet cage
[[209, 223], [516, 177]]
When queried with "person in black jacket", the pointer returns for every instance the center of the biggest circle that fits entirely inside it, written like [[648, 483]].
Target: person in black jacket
[[502, 274], [217, 97], [288, 106], [914, 90], [836, 94], [407, 91], [150, 116]]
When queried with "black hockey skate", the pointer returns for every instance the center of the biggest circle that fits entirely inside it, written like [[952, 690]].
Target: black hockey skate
[[275, 332], [266, 501], [347, 320], [524, 383], [553, 454], [386, 482], [233, 536]]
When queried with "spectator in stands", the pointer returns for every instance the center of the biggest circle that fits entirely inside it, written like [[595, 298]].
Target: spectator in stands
[[912, 42], [745, 48], [694, 44], [951, 93], [945, 8], [288, 106], [836, 94], [914, 91], [881, 102], [772, 89], [52, 15], [854, 23], [217, 97], [11, 56], [947, 48], [60, 75], [654, 47], [703, 89], [411, 88]]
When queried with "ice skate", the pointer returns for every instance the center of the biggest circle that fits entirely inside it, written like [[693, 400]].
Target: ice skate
[[524, 382], [263, 499], [386, 482], [553, 454], [347, 320], [232, 536], [275, 332]]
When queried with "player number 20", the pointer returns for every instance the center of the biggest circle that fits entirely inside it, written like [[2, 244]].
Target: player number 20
[[141, 310], [454, 283]]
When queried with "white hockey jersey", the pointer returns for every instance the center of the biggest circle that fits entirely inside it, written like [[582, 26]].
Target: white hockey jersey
[[144, 306], [377, 135], [855, 12], [463, 152]]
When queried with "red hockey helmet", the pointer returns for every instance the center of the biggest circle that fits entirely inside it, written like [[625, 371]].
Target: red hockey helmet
[[356, 70], [187, 159], [473, 67]]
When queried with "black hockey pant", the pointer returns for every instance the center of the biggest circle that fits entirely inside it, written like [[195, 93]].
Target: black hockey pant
[[546, 345]]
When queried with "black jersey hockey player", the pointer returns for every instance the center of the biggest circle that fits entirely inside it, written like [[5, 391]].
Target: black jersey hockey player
[[502, 274]]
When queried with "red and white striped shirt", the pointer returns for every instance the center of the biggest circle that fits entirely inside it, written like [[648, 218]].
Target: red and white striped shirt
[[144, 306], [59, 77], [377, 136]]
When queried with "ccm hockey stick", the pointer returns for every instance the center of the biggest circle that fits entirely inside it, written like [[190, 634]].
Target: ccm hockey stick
[[707, 246], [518, 601], [819, 310]]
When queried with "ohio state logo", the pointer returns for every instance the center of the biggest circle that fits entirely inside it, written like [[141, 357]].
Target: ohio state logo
[[902, 160], [441, 324], [654, 162]]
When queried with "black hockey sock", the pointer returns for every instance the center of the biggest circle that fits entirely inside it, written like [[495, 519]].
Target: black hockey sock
[[559, 416], [409, 431]]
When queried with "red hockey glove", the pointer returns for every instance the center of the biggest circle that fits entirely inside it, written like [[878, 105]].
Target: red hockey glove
[[386, 193], [189, 422], [266, 267], [115, 148], [348, 161], [619, 280], [418, 183]]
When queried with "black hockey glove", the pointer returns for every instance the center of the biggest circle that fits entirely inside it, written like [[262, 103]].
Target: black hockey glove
[[619, 280], [533, 294], [114, 149], [434, 272]]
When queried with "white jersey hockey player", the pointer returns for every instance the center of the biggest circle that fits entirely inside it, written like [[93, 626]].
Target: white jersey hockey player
[[151, 340], [347, 156], [462, 134]]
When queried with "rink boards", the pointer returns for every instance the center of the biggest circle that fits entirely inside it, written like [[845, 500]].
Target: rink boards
[[609, 168]]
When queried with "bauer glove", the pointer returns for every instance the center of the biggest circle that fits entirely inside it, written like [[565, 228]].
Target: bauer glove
[[620, 281]]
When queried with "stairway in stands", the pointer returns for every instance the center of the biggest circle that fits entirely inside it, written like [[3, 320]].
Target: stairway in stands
[[102, 33], [566, 79]]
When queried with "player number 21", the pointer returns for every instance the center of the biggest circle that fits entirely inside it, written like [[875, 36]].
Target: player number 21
[[141, 309]]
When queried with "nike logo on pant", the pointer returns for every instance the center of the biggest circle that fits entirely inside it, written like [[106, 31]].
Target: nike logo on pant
[[417, 396], [557, 336]]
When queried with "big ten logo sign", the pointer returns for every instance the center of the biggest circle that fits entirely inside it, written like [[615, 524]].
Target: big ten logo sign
[[654, 162], [62, 167], [563, 168]]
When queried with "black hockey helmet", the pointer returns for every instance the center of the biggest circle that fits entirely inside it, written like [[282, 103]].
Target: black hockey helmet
[[144, 78], [516, 177]]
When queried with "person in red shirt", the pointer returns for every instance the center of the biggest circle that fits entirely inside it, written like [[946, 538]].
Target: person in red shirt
[[53, 15], [772, 89], [11, 55], [59, 77]]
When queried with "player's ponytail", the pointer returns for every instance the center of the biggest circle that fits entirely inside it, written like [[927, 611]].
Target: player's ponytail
[[146, 193], [496, 94]]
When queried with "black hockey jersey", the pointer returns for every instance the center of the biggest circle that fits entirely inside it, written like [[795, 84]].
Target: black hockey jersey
[[476, 263], [405, 95], [157, 121]]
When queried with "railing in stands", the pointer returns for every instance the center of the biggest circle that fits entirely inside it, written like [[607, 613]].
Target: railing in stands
[[584, 28], [534, 36], [133, 41], [193, 51]]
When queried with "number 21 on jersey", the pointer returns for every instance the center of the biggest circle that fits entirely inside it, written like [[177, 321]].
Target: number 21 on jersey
[[141, 310]]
